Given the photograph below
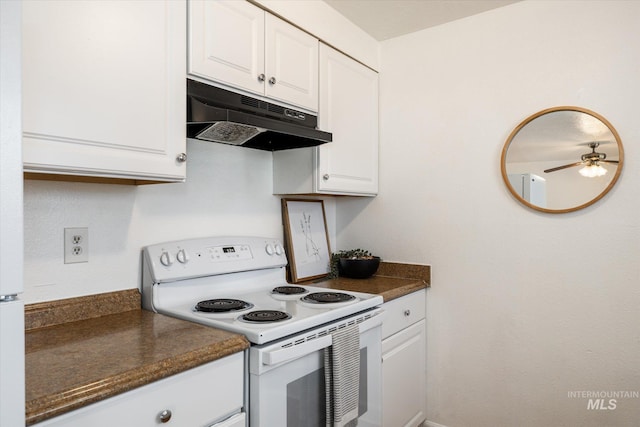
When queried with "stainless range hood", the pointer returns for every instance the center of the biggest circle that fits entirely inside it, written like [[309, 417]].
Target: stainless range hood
[[218, 115]]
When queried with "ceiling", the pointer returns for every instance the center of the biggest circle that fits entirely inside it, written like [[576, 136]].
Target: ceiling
[[385, 19]]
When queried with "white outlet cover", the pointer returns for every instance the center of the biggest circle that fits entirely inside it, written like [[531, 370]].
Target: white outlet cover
[[76, 245]]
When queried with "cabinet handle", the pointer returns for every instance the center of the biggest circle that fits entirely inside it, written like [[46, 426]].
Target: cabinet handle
[[407, 312], [164, 416], [261, 77], [182, 157], [325, 177], [272, 80]]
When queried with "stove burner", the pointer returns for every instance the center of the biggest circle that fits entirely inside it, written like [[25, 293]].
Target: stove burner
[[263, 316], [327, 297], [289, 290], [222, 305]]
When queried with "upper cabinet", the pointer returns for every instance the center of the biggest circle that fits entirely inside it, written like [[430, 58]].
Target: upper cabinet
[[236, 44], [349, 110], [104, 89]]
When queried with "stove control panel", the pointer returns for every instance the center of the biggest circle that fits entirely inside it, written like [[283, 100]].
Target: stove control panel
[[230, 253], [184, 259]]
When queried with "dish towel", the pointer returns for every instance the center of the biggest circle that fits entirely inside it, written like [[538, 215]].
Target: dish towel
[[342, 377]]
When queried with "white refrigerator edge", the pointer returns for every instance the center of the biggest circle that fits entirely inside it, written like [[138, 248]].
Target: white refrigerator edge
[[12, 356]]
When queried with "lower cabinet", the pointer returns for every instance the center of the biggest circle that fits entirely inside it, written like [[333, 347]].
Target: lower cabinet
[[404, 361], [208, 395]]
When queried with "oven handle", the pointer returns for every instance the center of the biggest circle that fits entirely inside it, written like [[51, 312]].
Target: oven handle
[[285, 354]]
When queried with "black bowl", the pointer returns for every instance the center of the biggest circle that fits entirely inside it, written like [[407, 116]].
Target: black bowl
[[356, 268]]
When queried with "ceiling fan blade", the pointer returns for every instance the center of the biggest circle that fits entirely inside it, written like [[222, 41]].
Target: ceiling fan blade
[[562, 167], [609, 161]]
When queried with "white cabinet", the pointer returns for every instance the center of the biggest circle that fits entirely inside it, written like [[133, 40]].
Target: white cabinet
[[104, 88], [404, 361], [349, 110], [237, 44], [208, 395]]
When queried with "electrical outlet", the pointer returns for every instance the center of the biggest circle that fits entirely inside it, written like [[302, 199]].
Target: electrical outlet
[[76, 245]]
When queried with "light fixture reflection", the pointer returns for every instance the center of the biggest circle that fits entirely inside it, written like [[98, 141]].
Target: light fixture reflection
[[592, 170]]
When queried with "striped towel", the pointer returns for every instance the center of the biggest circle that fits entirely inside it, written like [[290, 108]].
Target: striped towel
[[342, 377]]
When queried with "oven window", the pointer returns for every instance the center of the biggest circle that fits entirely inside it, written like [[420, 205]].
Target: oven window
[[306, 399], [362, 389]]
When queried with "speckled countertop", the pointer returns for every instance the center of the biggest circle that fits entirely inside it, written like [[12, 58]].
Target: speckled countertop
[[82, 350], [392, 280], [86, 349]]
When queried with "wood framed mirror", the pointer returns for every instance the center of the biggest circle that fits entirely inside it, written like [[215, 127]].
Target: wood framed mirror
[[562, 159]]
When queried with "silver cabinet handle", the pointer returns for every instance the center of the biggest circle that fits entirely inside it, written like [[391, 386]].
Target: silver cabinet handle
[[407, 313], [272, 80], [164, 416], [261, 77], [325, 177], [182, 157]]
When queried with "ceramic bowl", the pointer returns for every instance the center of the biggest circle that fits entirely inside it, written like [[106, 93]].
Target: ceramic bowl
[[355, 268]]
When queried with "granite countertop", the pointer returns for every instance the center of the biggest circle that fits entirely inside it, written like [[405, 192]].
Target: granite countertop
[[82, 350], [86, 349], [391, 281]]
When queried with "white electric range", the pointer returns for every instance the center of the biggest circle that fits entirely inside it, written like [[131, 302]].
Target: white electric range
[[239, 284]]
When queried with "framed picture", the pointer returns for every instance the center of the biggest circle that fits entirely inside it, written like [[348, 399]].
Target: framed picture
[[306, 239]]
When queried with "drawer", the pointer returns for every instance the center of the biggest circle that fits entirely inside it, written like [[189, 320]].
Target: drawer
[[403, 312], [193, 397]]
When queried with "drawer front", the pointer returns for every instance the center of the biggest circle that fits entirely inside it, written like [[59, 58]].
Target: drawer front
[[191, 398], [403, 312]]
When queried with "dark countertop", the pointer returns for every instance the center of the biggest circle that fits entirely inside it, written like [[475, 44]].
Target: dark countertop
[[82, 350], [389, 287], [391, 281], [75, 363]]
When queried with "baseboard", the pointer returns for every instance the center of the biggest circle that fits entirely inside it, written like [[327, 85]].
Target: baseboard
[[432, 424]]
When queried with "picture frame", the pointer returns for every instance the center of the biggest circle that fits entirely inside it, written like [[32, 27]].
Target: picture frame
[[306, 239]]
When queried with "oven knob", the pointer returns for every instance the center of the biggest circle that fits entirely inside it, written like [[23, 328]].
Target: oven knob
[[166, 259], [182, 256], [279, 250], [269, 249]]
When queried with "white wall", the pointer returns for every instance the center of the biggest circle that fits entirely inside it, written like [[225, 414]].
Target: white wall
[[228, 192], [524, 306]]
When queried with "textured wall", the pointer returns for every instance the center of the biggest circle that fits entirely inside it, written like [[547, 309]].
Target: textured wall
[[525, 307]]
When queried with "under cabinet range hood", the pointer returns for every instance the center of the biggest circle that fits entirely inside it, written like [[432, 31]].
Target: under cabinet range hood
[[219, 115]]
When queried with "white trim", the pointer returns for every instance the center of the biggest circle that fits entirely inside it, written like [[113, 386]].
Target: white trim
[[428, 423]]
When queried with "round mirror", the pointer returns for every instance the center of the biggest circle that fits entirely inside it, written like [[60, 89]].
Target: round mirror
[[562, 159]]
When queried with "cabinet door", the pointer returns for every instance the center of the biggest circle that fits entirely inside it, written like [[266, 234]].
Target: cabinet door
[[404, 377], [103, 88], [226, 43], [291, 63], [348, 109]]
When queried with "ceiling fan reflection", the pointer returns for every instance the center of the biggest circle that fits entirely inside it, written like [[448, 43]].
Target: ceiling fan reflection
[[592, 159]]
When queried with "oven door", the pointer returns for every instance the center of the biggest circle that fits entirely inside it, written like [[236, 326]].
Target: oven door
[[287, 385]]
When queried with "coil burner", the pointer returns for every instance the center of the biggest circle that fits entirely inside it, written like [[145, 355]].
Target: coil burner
[[264, 316], [327, 297], [222, 305], [288, 290]]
